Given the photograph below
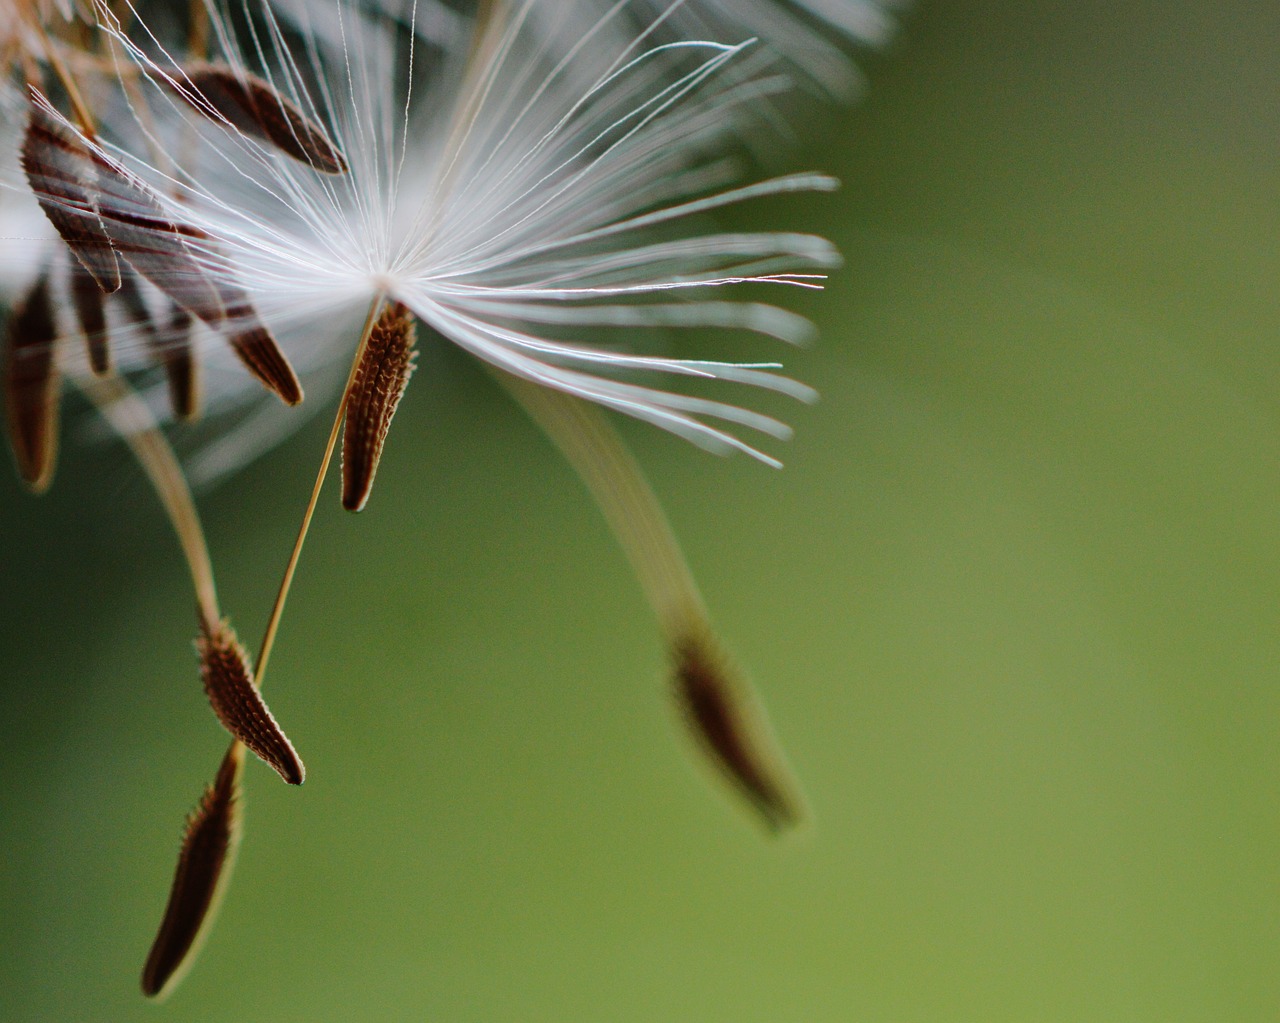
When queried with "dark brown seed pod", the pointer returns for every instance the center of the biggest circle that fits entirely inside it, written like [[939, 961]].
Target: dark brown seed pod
[[130, 302], [169, 344], [87, 297], [377, 386], [253, 106], [180, 366], [94, 201], [60, 170], [719, 711], [32, 388], [204, 868], [157, 247], [229, 684], [263, 357], [163, 252]]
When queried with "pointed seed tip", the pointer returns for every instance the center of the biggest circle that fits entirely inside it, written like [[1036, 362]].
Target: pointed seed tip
[[263, 357], [354, 502], [39, 486], [204, 867], [719, 710]]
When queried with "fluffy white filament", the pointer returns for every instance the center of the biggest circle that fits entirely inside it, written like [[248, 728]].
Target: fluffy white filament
[[531, 204]]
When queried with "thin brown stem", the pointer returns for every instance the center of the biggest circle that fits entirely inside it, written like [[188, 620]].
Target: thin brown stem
[[198, 30], [88, 125], [122, 407], [610, 472], [277, 609], [718, 703]]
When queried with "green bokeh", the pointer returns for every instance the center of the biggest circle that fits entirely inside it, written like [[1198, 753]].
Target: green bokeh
[[1012, 606]]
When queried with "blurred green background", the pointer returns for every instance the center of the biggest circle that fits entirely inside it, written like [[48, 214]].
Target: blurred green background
[[1012, 605]]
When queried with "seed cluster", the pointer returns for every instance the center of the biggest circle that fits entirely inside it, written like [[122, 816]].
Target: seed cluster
[[218, 176]]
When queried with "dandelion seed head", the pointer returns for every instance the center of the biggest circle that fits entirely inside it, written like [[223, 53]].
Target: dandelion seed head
[[214, 205], [531, 204]]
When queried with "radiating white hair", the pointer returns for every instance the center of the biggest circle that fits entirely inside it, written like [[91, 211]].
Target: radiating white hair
[[533, 205]]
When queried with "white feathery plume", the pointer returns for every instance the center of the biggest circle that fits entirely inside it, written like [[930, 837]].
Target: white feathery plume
[[433, 21], [530, 186], [513, 208]]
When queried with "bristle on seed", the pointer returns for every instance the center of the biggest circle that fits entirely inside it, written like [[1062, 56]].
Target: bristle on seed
[[251, 105], [32, 390], [204, 867], [229, 684], [718, 709], [377, 386]]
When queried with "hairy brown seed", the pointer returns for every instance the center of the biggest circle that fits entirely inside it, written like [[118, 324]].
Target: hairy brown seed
[[60, 170], [259, 352], [229, 684], [86, 296], [163, 251], [159, 248], [180, 366], [377, 386], [253, 106], [132, 219], [169, 344], [719, 711], [31, 386], [204, 868]]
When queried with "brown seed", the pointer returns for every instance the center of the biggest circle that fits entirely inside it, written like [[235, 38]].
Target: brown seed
[[376, 389], [718, 709], [86, 296], [229, 684], [103, 212], [259, 352], [131, 303], [165, 252], [129, 218], [160, 249], [169, 344], [253, 106], [204, 868], [32, 388], [181, 367], [60, 170]]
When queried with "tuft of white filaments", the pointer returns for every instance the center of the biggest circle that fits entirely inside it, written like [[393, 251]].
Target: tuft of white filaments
[[534, 205]]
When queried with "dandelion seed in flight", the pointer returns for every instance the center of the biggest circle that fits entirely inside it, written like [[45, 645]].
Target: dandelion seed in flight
[[530, 192]]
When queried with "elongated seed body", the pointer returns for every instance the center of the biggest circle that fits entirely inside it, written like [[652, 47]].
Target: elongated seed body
[[229, 684], [209, 847], [377, 386], [31, 386]]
